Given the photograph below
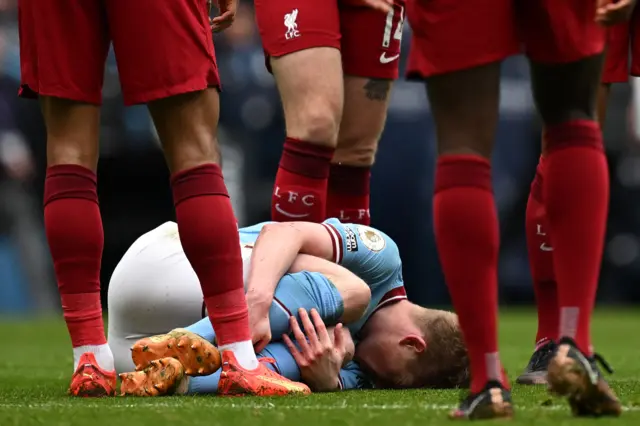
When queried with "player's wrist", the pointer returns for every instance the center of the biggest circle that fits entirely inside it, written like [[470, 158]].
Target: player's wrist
[[257, 299]]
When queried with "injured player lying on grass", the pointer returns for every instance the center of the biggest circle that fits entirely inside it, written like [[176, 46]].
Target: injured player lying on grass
[[350, 274]]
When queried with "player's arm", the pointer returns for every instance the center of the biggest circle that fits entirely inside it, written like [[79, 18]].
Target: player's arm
[[355, 294], [275, 250]]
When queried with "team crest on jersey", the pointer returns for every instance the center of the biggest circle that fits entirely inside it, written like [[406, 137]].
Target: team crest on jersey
[[371, 238], [351, 240]]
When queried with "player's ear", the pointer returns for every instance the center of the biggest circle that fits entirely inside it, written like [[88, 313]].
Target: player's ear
[[414, 342]]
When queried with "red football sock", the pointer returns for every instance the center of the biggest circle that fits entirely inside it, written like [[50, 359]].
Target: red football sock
[[348, 194], [209, 235], [467, 237], [541, 262], [576, 195], [74, 231], [300, 191]]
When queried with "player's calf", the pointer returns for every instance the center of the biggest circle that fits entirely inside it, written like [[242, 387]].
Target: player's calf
[[198, 356]]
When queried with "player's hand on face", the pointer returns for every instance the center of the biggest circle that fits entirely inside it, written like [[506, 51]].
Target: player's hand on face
[[226, 14], [611, 12], [319, 356]]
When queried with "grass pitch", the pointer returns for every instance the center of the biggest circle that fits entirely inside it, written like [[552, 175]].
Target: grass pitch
[[35, 366]]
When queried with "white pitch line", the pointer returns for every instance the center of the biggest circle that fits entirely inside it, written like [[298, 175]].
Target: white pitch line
[[270, 406]]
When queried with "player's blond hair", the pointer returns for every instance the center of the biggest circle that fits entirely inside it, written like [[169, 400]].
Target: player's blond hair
[[445, 363]]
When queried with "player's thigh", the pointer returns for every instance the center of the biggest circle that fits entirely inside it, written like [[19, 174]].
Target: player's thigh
[[302, 41], [465, 108], [458, 51], [63, 46], [162, 48], [366, 101]]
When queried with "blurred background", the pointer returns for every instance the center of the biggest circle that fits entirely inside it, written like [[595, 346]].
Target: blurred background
[[134, 187]]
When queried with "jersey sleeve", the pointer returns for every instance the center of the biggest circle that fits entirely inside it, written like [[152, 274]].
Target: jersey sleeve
[[352, 377], [369, 253]]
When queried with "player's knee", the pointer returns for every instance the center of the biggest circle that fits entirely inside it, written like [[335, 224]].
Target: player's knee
[[567, 92], [318, 123], [191, 153], [356, 151]]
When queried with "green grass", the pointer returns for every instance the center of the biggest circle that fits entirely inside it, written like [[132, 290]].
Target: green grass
[[35, 368]]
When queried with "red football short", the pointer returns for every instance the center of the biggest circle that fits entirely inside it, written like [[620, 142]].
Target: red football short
[[450, 35], [369, 40], [162, 48], [623, 46]]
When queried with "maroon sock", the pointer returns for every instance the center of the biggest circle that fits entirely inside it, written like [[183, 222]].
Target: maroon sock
[[348, 194], [300, 191], [74, 231], [576, 196], [467, 237], [209, 235], [541, 262]]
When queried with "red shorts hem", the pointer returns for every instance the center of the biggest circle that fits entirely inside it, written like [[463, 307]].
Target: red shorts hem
[[309, 43], [27, 92], [285, 52], [419, 72], [195, 84], [610, 78]]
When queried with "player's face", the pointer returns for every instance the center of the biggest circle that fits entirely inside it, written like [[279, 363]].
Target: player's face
[[386, 360]]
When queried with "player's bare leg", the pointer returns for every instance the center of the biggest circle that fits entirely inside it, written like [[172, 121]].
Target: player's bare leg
[[74, 231], [365, 112], [187, 127], [576, 189], [465, 106], [311, 89]]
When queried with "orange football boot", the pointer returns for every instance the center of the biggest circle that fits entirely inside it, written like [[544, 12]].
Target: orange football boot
[[236, 381], [89, 380], [198, 356], [165, 376]]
